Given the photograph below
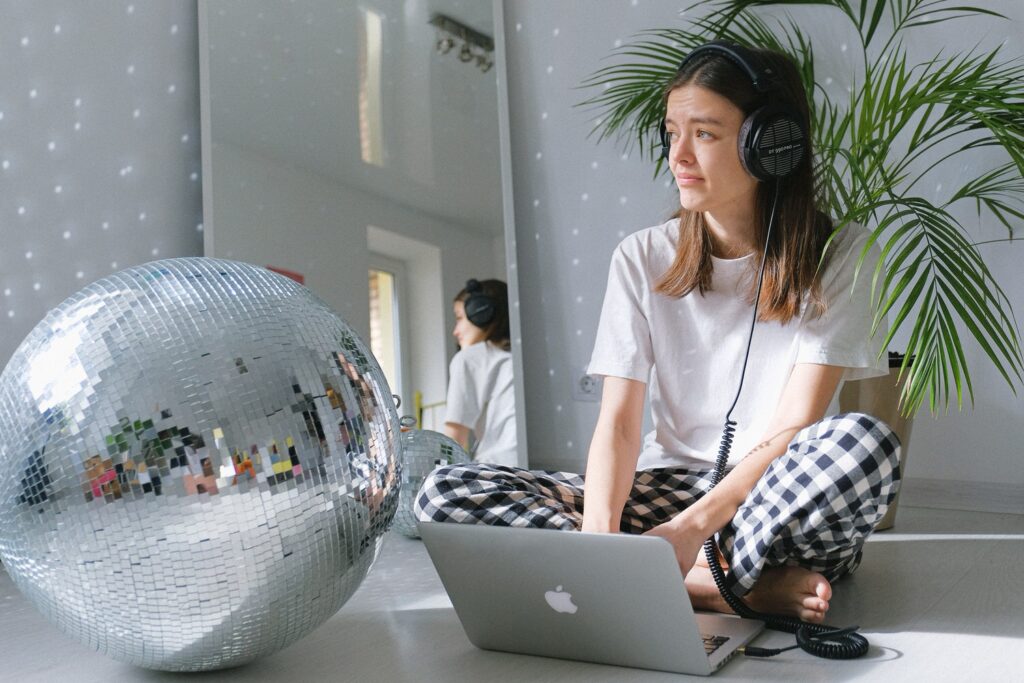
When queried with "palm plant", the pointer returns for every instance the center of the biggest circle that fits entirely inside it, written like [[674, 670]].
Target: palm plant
[[874, 145]]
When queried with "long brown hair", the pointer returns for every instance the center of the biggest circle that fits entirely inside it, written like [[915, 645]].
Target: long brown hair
[[800, 230]]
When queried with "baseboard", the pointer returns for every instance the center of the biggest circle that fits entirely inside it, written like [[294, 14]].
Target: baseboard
[[976, 496]]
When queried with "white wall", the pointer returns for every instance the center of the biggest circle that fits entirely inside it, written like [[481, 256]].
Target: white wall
[[575, 199], [268, 213], [99, 148]]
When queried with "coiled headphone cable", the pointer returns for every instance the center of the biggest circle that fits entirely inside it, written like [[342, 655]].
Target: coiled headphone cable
[[819, 640]]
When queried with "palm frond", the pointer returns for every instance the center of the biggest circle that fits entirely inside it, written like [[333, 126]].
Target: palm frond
[[1001, 191]]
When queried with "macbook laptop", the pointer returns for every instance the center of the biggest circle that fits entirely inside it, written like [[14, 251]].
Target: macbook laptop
[[606, 598]]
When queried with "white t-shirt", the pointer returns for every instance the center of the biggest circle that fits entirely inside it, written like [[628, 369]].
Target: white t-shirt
[[689, 350], [481, 397]]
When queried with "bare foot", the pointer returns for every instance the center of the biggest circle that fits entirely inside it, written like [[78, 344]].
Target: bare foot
[[791, 591], [794, 591]]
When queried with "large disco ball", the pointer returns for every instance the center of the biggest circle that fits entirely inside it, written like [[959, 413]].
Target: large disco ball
[[423, 451], [198, 462]]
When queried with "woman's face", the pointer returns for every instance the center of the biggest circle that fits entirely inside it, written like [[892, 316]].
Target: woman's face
[[465, 332], [703, 128]]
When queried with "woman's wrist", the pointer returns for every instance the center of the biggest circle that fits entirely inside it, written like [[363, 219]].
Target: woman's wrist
[[600, 522], [702, 517]]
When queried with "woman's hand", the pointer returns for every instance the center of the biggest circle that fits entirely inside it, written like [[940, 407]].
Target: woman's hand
[[686, 538]]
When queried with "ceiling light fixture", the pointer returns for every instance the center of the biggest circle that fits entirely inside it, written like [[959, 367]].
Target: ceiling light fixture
[[445, 44], [477, 48]]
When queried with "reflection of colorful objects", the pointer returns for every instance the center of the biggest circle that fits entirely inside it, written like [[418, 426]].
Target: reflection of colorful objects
[[243, 465], [172, 452], [204, 481], [102, 479], [179, 420]]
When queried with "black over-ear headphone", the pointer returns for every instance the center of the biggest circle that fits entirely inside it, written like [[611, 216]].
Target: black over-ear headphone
[[772, 140], [480, 308]]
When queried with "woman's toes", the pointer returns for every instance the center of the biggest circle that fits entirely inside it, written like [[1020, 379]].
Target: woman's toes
[[812, 608], [815, 604], [812, 616]]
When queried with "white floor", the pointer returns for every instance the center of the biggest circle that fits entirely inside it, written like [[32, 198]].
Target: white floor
[[940, 597]]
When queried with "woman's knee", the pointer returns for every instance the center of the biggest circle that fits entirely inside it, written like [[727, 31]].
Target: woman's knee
[[447, 478], [437, 487], [872, 443], [447, 486]]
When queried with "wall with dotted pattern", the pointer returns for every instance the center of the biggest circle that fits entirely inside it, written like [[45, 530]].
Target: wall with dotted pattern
[[99, 147]]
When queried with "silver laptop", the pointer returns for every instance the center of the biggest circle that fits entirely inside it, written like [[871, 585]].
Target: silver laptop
[[606, 598]]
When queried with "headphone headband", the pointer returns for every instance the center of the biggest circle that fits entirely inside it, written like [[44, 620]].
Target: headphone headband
[[761, 75]]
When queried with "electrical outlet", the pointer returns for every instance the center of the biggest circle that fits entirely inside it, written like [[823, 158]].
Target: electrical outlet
[[587, 387]]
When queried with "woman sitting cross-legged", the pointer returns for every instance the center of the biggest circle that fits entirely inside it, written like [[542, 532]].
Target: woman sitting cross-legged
[[802, 491]]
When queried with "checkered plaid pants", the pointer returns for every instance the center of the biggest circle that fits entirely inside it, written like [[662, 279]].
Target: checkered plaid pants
[[814, 507]]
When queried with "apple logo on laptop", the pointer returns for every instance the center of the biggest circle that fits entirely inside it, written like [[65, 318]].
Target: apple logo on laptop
[[560, 601]]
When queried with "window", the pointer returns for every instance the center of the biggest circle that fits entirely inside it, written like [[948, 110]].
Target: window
[[385, 320], [422, 308]]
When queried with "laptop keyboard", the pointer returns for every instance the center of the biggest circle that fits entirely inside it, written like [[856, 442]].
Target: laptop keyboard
[[712, 643]]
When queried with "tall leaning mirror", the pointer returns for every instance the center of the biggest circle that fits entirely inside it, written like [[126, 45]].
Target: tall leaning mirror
[[355, 146]]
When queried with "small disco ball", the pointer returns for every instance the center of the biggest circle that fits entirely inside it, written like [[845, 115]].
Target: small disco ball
[[198, 462], [422, 452]]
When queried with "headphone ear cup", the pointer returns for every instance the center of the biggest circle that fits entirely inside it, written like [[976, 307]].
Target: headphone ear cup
[[743, 145], [480, 309], [772, 143]]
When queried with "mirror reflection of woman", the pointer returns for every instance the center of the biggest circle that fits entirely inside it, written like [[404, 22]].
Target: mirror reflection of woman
[[481, 401]]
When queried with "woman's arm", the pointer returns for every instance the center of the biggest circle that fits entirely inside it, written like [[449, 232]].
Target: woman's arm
[[803, 402], [614, 450], [462, 404], [458, 433]]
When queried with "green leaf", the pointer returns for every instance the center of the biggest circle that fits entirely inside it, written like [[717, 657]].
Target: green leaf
[[876, 16]]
